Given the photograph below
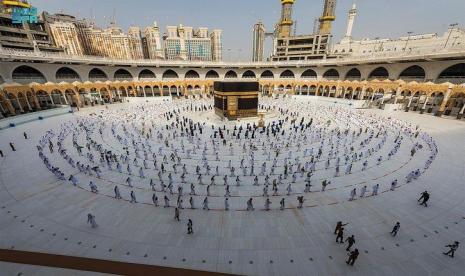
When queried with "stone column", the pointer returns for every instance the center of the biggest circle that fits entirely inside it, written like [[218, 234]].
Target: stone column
[[51, 99], [28, 104], [363, 92], [143, 90], [424, 105], [460, 115], [36, 102], [10, 107], [442, 108], [409, 104], [19, 103]]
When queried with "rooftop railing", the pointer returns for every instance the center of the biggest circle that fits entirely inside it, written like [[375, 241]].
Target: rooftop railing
[[416, 54]]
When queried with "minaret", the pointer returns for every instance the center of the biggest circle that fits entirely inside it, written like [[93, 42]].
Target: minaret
[[328, 17], [350, 21], [258, 41], [285, 25]]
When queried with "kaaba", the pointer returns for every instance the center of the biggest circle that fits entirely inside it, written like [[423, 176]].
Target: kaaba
[[234, 100]]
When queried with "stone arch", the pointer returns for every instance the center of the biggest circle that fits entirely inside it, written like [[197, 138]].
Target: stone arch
[[287, 74], [455, 104], [267, 74], [249, 74], [165, 90], [212, 74], [147, 74], [26, 74], [174, 90], [22, 100], [191, 74], [148, 90], [170, 74], [414, 72], [453, 74], [312, 90], [57, 97], [309, 74], [304, 89], [43, 99], [122, 74], [97, 74], [379, 73], [331, 74], [71, 97], [353, 74], [230, 75], [67, 74]]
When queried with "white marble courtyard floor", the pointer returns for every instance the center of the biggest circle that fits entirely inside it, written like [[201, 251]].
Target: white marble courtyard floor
[[40, 213]]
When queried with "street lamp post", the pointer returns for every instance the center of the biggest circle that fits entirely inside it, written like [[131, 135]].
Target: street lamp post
[[450, 32]]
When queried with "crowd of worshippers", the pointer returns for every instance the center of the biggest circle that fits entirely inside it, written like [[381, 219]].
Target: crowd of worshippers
[[164, 146]]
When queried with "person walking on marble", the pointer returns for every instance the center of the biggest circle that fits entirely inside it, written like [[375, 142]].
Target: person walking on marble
[[375, 190], [353, 194], [167, 202], [133, 197], [301, 200], [340, 235], [424, 198], [339, 225], [351, 241], [205, 204], [73, 180], [267, 204], [117, 193], [226, 204], [282, 204], [395, 229], [250, 205], [12, 146], [190, 229], [453, 247], [352, 257], [155, 200], [393, 185], [91, 220], [363, 191], [176, 214]]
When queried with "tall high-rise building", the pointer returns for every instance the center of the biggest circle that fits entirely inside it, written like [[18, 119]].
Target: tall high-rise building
[[153, 43], [258, 42], [65, 36], [217, 45], [117, 43], [329, 15], [175, 48], [80, 26], [135, 41], [184, 43], [285, 24]]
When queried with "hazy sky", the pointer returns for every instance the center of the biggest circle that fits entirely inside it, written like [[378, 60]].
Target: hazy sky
[[376, 18]]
